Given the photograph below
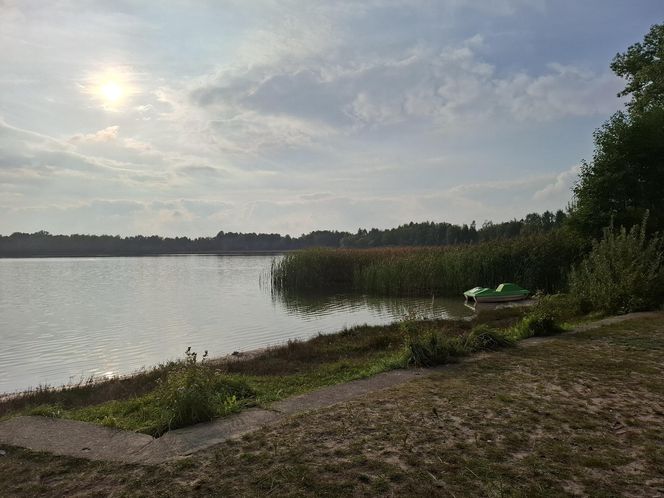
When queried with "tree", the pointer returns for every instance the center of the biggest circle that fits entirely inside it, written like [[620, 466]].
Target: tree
[[626, 175], [642, 65]]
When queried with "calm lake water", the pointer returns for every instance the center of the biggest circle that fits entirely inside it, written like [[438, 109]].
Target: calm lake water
[[63, 319]]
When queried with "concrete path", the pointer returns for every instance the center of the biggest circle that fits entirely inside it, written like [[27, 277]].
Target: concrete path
[[94, 442], [85, 440]]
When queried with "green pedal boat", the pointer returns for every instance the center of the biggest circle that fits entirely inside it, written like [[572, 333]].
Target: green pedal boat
[[502, 293]]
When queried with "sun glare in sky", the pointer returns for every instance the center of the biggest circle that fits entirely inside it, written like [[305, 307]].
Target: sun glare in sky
[[112, 86], [111, 91]]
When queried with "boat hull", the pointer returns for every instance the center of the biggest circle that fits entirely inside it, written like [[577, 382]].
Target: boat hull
[[497, 299], [505, 292]]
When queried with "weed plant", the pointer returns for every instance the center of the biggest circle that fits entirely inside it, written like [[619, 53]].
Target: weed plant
[[194, 393]]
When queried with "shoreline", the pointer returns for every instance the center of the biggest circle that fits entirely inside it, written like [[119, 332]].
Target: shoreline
[[95, 381], [137, 255], [245, 355]]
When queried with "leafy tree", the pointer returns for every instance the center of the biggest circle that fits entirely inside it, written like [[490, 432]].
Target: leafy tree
[[626, 175], [643, 68]]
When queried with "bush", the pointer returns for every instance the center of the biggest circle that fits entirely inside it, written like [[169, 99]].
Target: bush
[[196, 393], [484, 338], [561, 307], [433, 349], [622, 273], [535, 324]]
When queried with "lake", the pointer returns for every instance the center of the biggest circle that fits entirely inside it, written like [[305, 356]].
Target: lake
[[65, 319]]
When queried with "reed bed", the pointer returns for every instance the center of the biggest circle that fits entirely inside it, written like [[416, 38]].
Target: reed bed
[[538, 263]]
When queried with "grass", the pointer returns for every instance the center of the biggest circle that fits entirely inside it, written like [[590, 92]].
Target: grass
[[539, 262], [580, 415], [183, 393]]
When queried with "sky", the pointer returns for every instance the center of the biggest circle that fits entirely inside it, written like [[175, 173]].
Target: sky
[[191, 117]]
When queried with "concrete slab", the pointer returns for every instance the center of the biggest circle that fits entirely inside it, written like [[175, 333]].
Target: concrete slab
[[73, 438]]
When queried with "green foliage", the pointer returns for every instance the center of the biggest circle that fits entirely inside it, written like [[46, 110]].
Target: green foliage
[[626, 175], [484, 338], [623, 272], [43, 243], [50, 411], [642, 65], [195, 393], [562, 307], [538, 323], [441, 234], [433, 348], [535, 262]]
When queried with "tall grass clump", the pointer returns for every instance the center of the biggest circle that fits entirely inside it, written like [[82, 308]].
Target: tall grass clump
[[623, 272], [435, 348], [485, 338], [538, 262], [536, 324], [195, 392]]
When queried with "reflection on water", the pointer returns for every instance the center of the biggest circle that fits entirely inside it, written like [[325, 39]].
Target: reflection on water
[[63, 319], [308, 306]]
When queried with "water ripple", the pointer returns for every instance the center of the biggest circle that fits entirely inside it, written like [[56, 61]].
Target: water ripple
[[65, 319]]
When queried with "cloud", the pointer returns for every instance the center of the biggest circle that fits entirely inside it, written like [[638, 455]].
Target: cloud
[[306, 102], [561, 185], [105, 135], [290, 115], [564, 91]]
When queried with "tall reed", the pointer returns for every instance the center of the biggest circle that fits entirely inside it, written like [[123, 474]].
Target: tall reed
[[538, 262]]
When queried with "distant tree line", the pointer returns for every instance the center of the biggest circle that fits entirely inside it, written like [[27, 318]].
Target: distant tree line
[[442, 234], [412, 234]]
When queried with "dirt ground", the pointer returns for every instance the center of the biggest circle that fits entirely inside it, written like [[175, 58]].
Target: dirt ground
[[582, 414]]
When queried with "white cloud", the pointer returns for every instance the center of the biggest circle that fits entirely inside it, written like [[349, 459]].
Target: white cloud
[[561, 185], [302, 103], [105, 135]]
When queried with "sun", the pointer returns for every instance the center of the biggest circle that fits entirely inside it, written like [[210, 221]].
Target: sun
[[111, 87], [111, 91]]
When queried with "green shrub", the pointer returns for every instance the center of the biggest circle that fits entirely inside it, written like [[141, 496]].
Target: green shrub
[[194, 393], [50, 411], [433, 349], [622, 273], [561, 307], [484, 338], [535, 324]]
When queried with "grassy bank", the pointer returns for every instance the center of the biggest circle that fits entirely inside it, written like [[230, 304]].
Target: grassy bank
[[539, 262], [580, 415], [183, 393]]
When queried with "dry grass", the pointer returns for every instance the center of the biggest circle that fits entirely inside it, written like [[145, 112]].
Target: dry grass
[[580, 414]]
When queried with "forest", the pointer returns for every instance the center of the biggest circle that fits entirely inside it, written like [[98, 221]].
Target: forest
[[43, 243]]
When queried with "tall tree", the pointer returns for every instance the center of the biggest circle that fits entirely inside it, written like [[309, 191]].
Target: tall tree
[[642, 65], [626, 175]]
